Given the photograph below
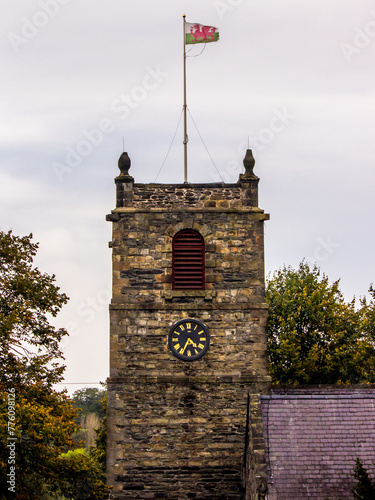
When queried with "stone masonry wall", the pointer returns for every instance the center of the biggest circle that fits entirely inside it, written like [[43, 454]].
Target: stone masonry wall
[[180, 438], [196, 195], [176, 429], [140, 346], [233, 240]]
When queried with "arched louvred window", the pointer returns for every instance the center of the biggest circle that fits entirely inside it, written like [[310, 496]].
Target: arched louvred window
[[188, 260]]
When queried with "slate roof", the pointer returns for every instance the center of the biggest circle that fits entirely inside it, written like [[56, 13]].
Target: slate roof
[[313, 436]]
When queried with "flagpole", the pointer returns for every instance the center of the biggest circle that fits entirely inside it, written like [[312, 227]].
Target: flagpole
[[185, 105]]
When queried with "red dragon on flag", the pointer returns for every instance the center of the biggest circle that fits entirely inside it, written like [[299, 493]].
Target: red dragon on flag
[[198, 33]]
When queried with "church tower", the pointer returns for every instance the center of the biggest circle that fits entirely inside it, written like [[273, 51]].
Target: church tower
[[187, 339]]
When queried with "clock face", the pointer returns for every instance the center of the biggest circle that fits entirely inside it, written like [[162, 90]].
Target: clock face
[[189, 339]]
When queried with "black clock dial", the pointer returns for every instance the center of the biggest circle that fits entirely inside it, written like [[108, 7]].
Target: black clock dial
[[189, 339]]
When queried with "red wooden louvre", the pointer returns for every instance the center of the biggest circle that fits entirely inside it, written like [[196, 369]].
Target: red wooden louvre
[[188, 260]]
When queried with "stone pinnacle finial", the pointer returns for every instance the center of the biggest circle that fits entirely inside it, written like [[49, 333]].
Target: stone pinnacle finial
[[124, 164], [249, 163]]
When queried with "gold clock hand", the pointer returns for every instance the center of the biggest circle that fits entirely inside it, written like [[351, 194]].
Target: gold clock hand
[[185, 346], [188, 342]]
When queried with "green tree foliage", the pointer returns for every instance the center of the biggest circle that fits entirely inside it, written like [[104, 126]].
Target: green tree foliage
[[29, 345], [90, 403], [314, 336], [81, 476], [367, 314], [99, 451], [44, 423], [89, 400], [41, 419], [364, 489]]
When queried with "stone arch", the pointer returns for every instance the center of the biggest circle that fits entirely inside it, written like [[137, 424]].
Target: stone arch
[[173, 229]]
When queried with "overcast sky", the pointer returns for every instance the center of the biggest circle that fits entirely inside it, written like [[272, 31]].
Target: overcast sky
[[294, 80]]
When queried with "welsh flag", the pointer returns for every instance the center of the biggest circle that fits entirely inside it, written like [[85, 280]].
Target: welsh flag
[[198, 33]]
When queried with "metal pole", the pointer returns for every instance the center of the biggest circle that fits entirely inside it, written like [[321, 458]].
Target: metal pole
[[185, 105]]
